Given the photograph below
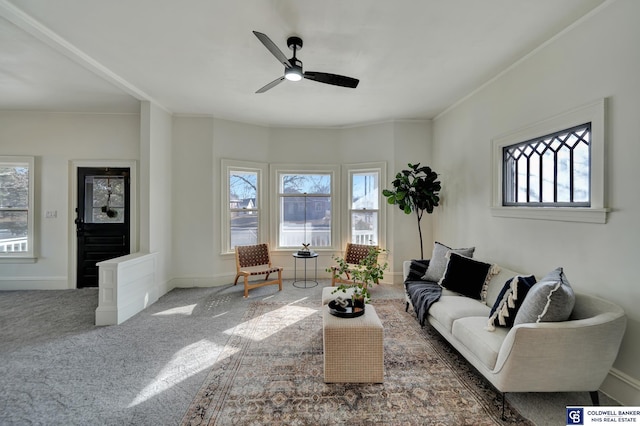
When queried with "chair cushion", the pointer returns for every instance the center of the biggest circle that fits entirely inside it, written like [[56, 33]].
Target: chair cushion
[[259, 270], [356, 252], [253, 255]]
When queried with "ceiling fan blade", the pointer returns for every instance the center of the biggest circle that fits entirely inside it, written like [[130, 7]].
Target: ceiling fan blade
[[336, 80], [270, 85], [271, 46]]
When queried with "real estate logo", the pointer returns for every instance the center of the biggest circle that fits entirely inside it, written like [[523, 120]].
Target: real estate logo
[[575, 416]]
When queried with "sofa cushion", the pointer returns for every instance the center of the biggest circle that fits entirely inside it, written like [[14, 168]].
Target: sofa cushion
[[551, 299], [504, 310], [450, 308], [467, 276], [438, 261], [483, 344], [417, 269]]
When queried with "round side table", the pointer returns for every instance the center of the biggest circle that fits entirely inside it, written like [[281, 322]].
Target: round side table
[[314, 282]]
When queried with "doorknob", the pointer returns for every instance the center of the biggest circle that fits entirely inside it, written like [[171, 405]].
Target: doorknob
[[79, 224]]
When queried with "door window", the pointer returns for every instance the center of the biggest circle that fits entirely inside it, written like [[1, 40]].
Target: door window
[[104, 199]]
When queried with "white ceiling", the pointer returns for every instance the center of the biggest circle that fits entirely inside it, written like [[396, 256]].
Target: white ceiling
[[414, 58]]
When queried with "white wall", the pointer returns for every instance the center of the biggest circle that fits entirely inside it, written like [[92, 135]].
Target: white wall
[[199, 145], [156, 202], [55, 140], [193, 205], [413, 145], [179, 182], [595, 59]]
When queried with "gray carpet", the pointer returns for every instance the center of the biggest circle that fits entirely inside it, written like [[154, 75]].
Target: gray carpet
[[57, 368]]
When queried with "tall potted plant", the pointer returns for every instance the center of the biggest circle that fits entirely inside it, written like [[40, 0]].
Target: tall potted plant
[[415, 190]]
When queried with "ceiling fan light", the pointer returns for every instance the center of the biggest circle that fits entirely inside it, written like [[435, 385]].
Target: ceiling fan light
[[293, 74]]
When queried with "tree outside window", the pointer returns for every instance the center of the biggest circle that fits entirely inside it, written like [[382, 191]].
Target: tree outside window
[[305, 209], [243, 207], [16, 200]]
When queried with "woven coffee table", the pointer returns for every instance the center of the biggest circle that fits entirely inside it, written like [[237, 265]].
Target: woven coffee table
[[353, 348]]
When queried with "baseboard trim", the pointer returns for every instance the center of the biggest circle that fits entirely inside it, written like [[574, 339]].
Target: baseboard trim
[[34, 283], [622, 387], [187, 282]]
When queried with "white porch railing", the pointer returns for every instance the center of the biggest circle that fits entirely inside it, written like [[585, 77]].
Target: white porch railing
[[363, 237], [320, 237], [13, 245], [295, 237]]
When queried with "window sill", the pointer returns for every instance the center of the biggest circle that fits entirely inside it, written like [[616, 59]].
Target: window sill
[[563, 214], [16, 259]]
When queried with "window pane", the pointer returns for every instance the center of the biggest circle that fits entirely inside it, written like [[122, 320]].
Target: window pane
[[13, 231], [581, 176], [243, 189], [244, 228], [534, 179], [509, 179], [548, 179], [364, 227], [305, 219], [104, 199], [364, 190], [521, 195], [305, 183], [564, 175], [14, 187]]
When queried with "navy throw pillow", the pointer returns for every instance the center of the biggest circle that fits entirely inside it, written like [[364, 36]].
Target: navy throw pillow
[[504, 310]]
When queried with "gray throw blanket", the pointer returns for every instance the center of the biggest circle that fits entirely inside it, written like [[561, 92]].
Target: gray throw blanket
[[423, 294]]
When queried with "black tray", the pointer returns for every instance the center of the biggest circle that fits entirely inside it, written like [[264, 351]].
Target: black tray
[[348, 312]]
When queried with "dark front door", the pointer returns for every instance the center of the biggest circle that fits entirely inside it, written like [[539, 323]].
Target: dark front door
[[102, 222]]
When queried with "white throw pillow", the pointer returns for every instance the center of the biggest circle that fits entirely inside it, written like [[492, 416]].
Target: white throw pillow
[[439, 260], [550, 300]]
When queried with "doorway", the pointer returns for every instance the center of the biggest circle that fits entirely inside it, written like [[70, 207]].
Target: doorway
[[103, 216]]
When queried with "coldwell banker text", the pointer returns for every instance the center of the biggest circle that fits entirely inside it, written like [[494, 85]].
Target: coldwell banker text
[[600, 415]]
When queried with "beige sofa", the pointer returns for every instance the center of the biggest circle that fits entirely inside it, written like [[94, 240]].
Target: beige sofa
[[572, 355]]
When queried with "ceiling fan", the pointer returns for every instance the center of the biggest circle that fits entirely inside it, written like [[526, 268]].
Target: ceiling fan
[[293, 67]]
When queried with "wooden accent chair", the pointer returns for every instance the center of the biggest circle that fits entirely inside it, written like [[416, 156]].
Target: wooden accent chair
[[256, 260], [353, 254]]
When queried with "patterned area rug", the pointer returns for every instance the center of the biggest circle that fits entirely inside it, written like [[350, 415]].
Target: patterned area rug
[[271, 372]]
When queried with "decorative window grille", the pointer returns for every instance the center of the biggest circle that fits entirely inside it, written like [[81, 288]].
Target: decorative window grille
[[549, 171]]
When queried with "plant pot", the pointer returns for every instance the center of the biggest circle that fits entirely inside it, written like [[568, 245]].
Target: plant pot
[[358, 302]]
